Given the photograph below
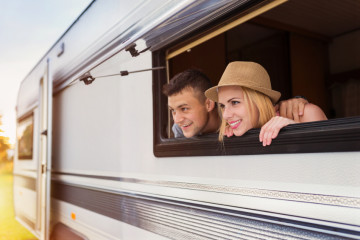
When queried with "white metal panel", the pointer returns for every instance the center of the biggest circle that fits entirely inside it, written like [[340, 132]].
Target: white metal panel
[[94, 124], [25, 203], [110, 229]]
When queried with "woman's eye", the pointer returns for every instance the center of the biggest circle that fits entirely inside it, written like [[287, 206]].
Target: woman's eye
[[222, 106], [235, 102]]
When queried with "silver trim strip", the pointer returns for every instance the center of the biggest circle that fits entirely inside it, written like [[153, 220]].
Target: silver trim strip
[[332, 200]]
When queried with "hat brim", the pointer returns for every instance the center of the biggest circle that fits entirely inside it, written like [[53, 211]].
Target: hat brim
[[212, 93]]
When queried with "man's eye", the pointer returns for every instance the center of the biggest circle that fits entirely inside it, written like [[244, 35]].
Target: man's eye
[[184, 109]]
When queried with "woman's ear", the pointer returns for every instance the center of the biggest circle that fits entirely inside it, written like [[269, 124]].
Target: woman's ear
[[209, 105]]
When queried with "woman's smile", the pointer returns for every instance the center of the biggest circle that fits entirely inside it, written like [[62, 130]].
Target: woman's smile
[[234, 124]]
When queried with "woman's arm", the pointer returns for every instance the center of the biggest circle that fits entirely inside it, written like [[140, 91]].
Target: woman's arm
[[312, 113], [271, 129]]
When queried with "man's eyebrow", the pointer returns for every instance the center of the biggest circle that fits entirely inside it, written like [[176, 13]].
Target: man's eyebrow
[[180, 106]]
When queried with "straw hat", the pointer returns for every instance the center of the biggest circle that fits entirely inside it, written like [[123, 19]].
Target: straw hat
[[245, 74]]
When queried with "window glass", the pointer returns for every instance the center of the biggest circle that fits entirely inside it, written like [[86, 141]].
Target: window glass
[[25, 138]]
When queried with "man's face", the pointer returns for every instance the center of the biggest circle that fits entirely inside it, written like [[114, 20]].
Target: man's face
[[189, 112]]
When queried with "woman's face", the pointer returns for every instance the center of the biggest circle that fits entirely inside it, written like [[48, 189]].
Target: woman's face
[[234, 109]]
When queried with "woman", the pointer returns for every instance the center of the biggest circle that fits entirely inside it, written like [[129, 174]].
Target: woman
[[245, 99]]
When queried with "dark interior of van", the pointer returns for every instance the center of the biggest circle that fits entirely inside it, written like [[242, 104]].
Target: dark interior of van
[[309, 48]]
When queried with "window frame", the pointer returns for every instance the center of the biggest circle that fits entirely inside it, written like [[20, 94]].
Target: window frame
[[333, 135]]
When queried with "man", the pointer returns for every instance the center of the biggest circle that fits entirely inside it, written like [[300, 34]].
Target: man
[[194, 114]]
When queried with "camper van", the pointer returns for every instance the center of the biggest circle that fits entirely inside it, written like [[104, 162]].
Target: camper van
[[96, 157]]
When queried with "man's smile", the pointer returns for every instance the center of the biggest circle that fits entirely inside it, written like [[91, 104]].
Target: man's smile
[[185, 125]]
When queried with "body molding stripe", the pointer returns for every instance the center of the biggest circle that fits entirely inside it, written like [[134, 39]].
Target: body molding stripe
[[333, 200], [182, 220]]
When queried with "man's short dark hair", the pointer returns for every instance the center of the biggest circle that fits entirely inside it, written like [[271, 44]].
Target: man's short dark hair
[[193, 78]]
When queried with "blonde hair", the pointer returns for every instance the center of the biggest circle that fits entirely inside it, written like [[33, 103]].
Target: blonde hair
[[253, 99]]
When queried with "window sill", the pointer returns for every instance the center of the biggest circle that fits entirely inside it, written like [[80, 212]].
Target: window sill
[[335, 135]]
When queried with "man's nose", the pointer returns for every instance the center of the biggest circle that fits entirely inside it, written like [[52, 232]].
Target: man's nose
[[178, 117]]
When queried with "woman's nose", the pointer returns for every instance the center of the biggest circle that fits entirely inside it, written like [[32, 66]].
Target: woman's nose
[[227, 113]]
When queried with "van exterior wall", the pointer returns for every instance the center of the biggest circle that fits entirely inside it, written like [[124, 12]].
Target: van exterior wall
[[100, 127], [228, 193], [103, 140], [103, 145]]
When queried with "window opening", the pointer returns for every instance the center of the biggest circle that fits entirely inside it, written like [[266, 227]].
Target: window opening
[[302, 53], [25, 135]]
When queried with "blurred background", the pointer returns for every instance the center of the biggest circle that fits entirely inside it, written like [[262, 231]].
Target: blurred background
[[28, 30]]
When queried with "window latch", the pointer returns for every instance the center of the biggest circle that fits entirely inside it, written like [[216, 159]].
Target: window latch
[[132, 50], [87, 78]]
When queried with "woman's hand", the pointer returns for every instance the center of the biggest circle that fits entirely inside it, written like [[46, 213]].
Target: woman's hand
[[272, 128], [228, 131]]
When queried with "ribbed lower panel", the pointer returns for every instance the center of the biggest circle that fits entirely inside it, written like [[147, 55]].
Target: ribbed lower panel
[[182, 220]]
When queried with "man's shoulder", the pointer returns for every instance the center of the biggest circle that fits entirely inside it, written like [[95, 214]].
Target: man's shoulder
[[177, 131]]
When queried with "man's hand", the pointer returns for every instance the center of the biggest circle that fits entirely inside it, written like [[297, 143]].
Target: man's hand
[[292, 108]]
